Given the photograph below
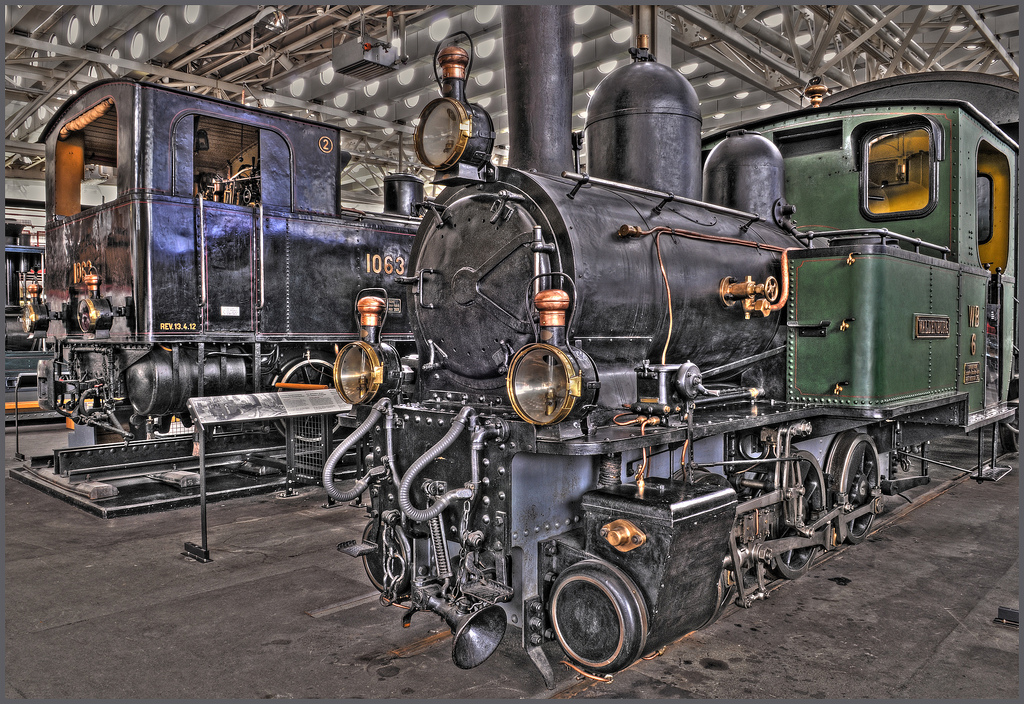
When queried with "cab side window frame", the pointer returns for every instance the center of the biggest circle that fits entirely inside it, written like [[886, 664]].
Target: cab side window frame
[[867, 133]]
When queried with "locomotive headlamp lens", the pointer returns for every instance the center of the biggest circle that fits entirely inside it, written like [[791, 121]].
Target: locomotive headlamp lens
[[543, 383], [34, 318], [94, 314], [358, 372], [444, 130]]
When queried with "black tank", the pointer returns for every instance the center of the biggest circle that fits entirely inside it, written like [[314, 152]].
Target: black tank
[[643, 128]]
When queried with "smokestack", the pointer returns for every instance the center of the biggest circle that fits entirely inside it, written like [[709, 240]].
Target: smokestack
[[537, 43]]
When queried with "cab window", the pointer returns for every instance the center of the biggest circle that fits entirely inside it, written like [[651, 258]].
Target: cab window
[[993, 206], [898, 174], [226, 161], [86, 152]]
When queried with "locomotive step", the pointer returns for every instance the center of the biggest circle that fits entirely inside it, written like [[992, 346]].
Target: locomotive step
[[356, 549]]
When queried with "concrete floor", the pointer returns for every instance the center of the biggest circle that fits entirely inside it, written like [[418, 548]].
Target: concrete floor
[[110, 609]]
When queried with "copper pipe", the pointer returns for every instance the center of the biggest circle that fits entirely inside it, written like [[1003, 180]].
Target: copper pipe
[[633, 231], [88, 117]]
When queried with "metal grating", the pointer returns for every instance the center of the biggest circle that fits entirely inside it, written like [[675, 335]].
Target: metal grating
[[310, 451]]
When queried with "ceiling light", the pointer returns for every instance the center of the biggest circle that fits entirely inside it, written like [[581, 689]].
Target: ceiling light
[[138, 45], [937, 8], [485, 13], [327, 75], [163, 27], [620, 35], [741, 95], [370, 89], [114, 54], [971, 47], [341, 100], [351, 122], [439, 29], [297, 86], [715, 82], [773, 20], [405, 77], [74, 26], [803, 39], [957, 28], [486, 48], [718, 115], [412, 101], [607, 66], [484, 77], [54, 41], [191, 13], [582, 113], [503, 130], [688, 68], [267, 102], [764, 106], [95, 14], [577, 48], [380, 110], [389, 130], [415, 122], [483, 102], [583, 14], [590, 93], [829, 55]]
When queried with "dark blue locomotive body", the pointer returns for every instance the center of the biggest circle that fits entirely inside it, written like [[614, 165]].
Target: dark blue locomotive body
[[226, 241]]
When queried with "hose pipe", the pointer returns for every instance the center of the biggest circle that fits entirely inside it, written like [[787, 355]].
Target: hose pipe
[[459, 424], [332, 461]]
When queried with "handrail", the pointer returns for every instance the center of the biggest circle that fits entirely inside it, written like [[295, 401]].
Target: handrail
[[884, 234], [262, 281], [582, 179]]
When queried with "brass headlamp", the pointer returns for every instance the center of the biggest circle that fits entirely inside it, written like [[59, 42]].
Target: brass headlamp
[[365, 368], [549, 381]]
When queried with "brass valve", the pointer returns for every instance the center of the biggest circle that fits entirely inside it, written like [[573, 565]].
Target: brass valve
[[755, 297], [623, 535]]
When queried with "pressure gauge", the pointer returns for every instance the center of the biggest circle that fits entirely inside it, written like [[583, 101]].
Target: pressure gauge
[[443, 133]]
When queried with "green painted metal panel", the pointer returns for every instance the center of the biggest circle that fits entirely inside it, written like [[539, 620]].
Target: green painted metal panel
[[877, 355], [971, 360]]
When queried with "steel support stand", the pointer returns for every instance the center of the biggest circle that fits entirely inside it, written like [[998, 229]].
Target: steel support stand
[[17, 419], [200, 553]]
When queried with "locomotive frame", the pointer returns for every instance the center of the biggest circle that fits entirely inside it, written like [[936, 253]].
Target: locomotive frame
[[225, 264], [808, 359]]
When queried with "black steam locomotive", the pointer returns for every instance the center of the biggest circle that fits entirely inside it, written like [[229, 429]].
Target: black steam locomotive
[[226, 263], [645, 390]]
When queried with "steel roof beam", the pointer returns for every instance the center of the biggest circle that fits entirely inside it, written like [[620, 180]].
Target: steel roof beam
[[991, 38], [863, 37], [740, 42], [194, 79]]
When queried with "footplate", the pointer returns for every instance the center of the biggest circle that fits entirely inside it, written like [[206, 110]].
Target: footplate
[[354, 548], [488, 591]]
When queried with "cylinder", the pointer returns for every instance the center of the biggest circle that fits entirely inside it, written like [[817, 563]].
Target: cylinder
[[746, 172], [643, 128], [401, 194], [537, 45], [157, 387]]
